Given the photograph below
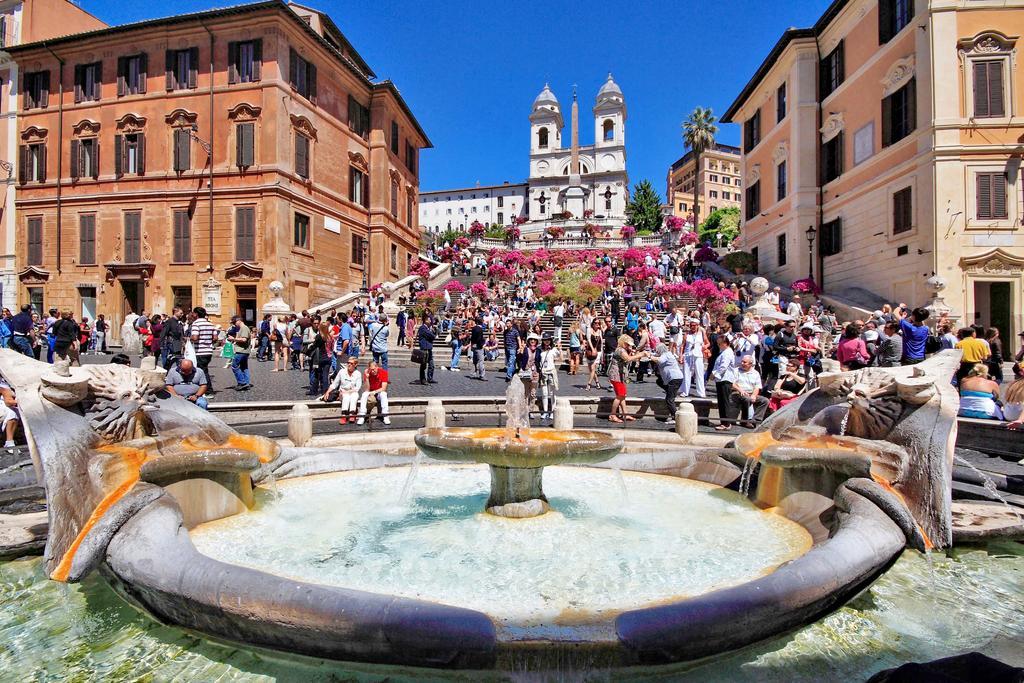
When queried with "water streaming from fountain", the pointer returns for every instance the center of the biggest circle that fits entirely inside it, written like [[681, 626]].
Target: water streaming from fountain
[[989, 486], [622, 484], [407, 486], [747, 475]]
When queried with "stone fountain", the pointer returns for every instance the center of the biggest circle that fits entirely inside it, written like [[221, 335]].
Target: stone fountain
[[517, 455], [859, 468]]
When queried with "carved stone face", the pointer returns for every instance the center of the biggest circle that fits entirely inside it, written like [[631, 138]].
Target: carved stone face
[[119, 396], [875, 406]]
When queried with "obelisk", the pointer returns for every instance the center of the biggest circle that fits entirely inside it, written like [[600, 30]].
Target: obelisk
[[575, 197]]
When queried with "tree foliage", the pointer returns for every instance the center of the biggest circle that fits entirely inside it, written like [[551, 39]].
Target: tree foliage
[[725, 221], [644, 209]]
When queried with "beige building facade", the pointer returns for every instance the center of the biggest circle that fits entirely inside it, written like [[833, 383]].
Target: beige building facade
[[893, 130], [719, 185]]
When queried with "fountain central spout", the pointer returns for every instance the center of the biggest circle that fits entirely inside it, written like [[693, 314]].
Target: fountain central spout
[[517, 454]]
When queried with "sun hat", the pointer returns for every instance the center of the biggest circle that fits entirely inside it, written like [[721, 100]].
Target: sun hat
[[627, 340]]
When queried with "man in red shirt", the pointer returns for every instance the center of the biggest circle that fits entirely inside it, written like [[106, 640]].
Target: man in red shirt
[[376, 383]]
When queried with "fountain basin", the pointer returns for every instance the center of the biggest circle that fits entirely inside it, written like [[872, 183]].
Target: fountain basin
[[532, 448]]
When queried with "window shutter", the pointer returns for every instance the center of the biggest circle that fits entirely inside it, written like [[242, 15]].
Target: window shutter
[[23, 164], [995, 89], [983, 195], [910, 111], [193, 66], [119, 156], [998, 195], [142, 153], [176, 150], [257, 59], [311, 81], [143, 72], [122, 84], [293, 67], [232, 63], [76, 159], [980, 82], [26, 92], [97, 86], [244, 133], [78, 83], [96, 159], [301, 155], [887, 121], [169, 61], [886, 12], [42, 163], [366, 190], [44, 92]]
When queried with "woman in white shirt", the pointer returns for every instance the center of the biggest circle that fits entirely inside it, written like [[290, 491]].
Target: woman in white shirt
[[547, 380]]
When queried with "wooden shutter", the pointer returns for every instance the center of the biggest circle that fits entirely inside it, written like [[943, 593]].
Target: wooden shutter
[[86, 239], [991, 196], [22, 164], [119, 152], [169, 63], [245, 233], [999, 195], [995, 89], [35, 241], [887, 121], [365, 200], [182, 145], [142, 154], [193, 66], [293, 68], [26, 91], [232, 63], [302, 155], [143, 72], [79, 82], [96, 158], [182, 237], [42, 162], [44, 92], [981, 108], [132, 238], [257, 59], [122, 76], [886, 20], [311, 81], [97, 84], [76, 159], [244, 145]]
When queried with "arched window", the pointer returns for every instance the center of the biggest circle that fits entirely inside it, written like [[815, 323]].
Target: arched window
[[609, 130], [542, 138]]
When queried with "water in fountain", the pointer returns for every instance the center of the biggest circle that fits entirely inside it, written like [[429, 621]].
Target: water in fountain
[[990, 486], [413, 470], [622, 484], [517, 407], [747, 476]]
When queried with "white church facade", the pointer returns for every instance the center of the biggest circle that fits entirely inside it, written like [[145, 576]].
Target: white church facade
[[587, 181], [581, 180]]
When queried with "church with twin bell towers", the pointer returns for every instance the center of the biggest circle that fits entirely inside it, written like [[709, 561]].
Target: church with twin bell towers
[[577, 182]]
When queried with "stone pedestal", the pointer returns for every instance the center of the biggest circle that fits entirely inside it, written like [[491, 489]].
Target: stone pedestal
[[686, 422], [300, 424], [563, 414], [517, 492], [434, 414]]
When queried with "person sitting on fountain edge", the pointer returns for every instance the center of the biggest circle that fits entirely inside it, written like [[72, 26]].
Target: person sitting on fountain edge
[[188, 382], [9, 414]]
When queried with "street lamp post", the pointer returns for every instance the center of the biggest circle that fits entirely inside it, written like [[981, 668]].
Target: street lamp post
[[811, 232], [208, 148]]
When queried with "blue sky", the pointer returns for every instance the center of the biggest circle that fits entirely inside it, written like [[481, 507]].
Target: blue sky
[[470, 70]]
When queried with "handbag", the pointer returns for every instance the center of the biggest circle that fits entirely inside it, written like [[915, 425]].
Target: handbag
[[417, 356]]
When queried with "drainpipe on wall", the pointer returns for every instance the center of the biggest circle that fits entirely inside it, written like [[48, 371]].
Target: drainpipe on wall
[[60, 142], [209, 185], [818, 169]]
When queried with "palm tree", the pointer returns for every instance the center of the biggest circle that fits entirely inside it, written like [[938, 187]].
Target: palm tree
[[699, 132]]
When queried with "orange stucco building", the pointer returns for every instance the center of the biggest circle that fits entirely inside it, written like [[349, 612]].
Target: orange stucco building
[[24, 21], [718, 182], [893, 129], [314, 165]]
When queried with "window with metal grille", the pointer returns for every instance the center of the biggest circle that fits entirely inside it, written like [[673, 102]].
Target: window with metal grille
[[988, 89], [991, 195], [899, 114], [182, 241], [87, 239], [832, 71], [245, 233], [902, 211], [132, 237]]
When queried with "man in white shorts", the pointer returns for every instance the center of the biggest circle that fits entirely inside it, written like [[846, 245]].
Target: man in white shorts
[[9, 414]]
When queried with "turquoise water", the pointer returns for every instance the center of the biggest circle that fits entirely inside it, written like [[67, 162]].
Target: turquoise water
[[971, 598]]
